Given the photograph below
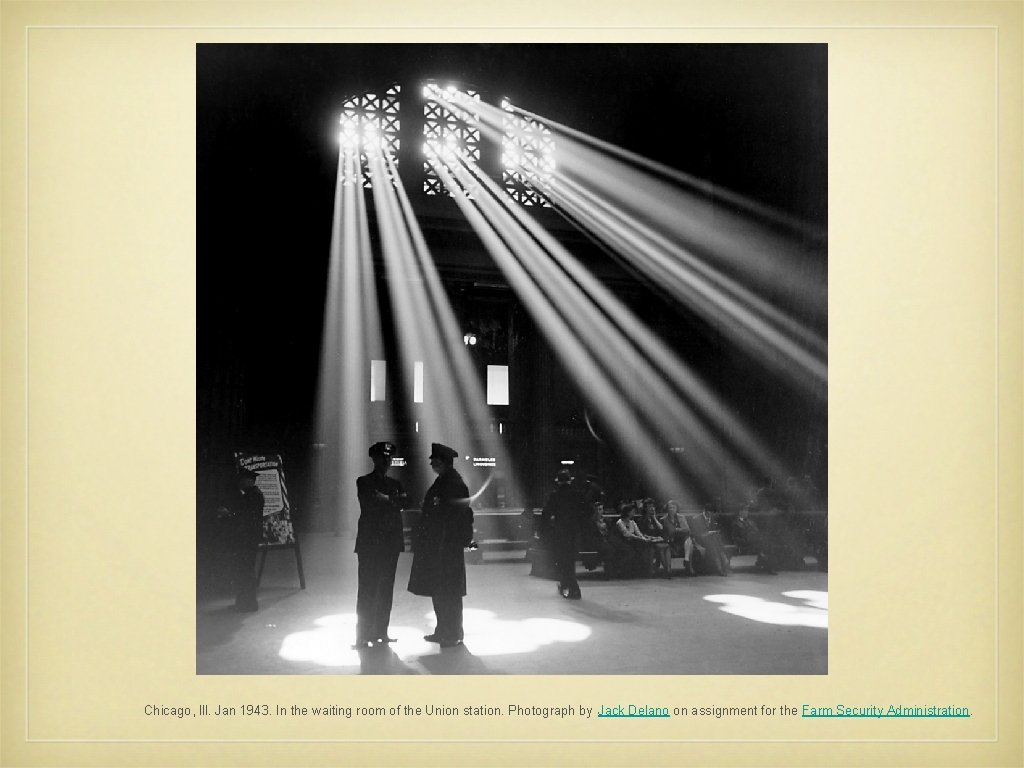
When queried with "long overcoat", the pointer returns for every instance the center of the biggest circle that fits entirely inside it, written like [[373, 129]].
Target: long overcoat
[[445, 529]]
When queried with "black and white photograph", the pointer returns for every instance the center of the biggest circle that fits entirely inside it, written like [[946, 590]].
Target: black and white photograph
[[512, 359]]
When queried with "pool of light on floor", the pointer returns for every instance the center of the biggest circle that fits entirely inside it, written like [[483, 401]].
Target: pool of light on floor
[[329, 644], [810, 611]]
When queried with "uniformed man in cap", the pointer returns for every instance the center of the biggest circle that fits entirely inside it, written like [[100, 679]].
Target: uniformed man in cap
[[379, 540], [245, 512], [565, 509], [445, 529]]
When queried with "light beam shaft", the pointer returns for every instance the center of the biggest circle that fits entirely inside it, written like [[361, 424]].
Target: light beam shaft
[[625, 345], [565, 339]]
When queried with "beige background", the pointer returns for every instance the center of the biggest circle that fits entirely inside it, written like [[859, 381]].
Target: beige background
[[99, 399]]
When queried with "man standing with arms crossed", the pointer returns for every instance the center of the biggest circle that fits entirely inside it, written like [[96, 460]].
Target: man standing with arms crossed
[[379, 540]]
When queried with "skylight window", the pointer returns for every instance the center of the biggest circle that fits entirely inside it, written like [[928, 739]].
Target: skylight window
[[527, 158], [449, 131], [370, 125]]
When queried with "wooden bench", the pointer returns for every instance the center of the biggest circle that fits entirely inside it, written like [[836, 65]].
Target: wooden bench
[[494, 530]]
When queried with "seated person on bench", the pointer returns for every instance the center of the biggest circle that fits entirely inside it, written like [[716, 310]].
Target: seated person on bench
[[651, 527], [709, 553], [748, 535], [611, 550], [677, 533], [641, 546]]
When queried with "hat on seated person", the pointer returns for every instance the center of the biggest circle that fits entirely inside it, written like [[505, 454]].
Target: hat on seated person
[[385, 449], [441, 451], [563, 476]]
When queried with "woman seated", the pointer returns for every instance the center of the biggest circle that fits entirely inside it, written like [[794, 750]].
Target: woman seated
[[677, 533], [640, 545], [652, 528], [611, 550]]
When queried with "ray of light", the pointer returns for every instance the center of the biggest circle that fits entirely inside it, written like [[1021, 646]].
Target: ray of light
[[655, 227], [663, 378], [351, 338], [454, 411], [587, 342]]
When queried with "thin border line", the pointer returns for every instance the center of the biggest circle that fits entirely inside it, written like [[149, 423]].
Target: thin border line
[[450, 28], [504, 29], [998, 419], [28, 431], [512, 741]]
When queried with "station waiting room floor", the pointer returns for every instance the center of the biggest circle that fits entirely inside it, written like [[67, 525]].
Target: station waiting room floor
[[747, 623]]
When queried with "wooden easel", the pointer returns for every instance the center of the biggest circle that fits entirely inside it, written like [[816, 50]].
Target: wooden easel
[[293, 545]]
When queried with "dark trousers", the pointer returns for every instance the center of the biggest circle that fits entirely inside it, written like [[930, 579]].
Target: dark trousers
[[765, 550], [448, 609], [375, 593], [713, 560], [244, 577], [565, 560]]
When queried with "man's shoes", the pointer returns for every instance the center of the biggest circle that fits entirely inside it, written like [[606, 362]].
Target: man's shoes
[[444, 642]]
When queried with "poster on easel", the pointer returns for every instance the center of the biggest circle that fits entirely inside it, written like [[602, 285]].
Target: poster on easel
[[277, 520]]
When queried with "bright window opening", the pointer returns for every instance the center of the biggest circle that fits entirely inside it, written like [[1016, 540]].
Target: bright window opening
[[527, 158], [370, 125], [378, 380], [449, 131], [497, 385], [417, 381]]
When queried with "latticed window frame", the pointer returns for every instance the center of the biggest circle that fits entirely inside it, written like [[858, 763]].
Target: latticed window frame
[[440, 122], [527, 137], [367, 114]]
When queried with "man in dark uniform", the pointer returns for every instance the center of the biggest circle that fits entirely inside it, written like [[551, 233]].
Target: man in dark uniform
[[784, 528], [438, 564], [709, 554], [565, 509], [379, 540], [245, 510]]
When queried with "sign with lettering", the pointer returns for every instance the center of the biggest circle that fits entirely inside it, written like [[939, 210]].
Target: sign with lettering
[[277, 519]]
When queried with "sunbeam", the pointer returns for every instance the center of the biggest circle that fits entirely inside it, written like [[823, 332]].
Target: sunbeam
[[623, 368], [650, 218], [429, 334], [351, 339], [651, 225]]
